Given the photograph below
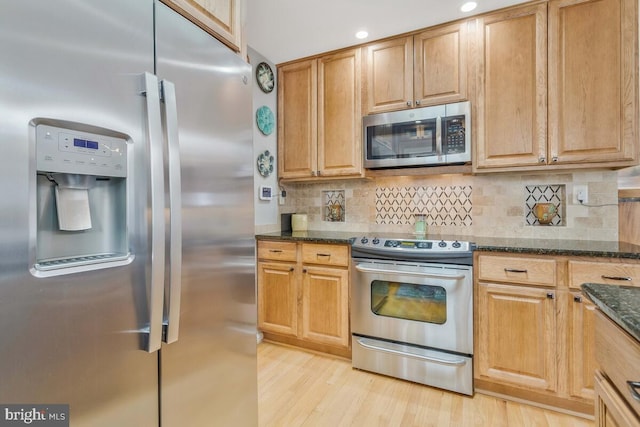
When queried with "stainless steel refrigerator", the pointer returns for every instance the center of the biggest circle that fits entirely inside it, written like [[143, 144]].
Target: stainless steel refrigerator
[[127, 268]]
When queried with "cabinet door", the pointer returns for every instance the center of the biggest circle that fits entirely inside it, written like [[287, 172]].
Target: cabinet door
[[277, 298], [220, 17], [388, 73], [593, 91], [581, 337], [517, 336], [297, 119], [511, 105], [339, 114], [325, 305], [611, 410], [440, 65]]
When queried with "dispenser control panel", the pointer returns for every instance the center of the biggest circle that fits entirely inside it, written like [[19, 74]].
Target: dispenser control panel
[[68, 151]]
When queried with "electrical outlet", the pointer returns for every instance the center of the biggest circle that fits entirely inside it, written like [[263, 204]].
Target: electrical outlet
[[580, 194]]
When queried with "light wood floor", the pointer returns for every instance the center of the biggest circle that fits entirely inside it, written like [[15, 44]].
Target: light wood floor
[[299, 388]]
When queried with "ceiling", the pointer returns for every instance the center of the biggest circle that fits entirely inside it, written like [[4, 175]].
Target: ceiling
[[283, 30]]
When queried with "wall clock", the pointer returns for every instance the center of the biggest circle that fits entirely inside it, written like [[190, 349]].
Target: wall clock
[[265, 120], [265, 78]]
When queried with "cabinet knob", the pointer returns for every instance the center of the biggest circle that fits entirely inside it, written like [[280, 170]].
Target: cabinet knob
[[292, 269], [550, 295], [542, 159], [408, 103], [577, 298], [418, 102], [554, 159]]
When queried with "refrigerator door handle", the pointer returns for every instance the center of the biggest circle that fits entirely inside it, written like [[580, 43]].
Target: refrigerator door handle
[[156, 183], [172, 299]]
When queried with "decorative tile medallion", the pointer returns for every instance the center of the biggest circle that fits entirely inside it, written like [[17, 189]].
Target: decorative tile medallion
[[544, 194], [443, 206], [333, 206]]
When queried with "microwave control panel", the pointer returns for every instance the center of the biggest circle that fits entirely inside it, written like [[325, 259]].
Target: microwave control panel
[[454, 141]]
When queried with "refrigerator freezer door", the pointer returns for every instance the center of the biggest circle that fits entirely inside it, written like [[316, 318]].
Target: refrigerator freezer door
[[208, 376], [74, 338]]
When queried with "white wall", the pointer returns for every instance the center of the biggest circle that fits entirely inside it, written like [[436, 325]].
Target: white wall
[[266, 212]]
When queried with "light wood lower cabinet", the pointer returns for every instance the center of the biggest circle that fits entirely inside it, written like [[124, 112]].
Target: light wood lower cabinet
[[534, 329], [617, 354], [303, 295], [325, 305], [517, 335]]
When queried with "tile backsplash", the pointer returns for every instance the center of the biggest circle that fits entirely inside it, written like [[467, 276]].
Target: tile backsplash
[[496, 205]]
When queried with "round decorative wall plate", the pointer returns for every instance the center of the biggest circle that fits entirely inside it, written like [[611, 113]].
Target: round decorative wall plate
[[265, 77], [265, 163], [265, 120]]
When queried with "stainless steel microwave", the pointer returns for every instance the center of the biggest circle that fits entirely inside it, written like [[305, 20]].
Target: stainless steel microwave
[[427, 136]]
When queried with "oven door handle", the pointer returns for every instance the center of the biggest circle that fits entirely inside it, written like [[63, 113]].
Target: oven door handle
[[410, 273], [455, 361]]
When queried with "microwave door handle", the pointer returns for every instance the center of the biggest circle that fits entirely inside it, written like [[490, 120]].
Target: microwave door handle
[[175, 217], [153, 331], [439, 137]]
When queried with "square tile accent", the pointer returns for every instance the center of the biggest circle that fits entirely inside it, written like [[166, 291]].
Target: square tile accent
[[443, 206], [545, 194], [333, 206]]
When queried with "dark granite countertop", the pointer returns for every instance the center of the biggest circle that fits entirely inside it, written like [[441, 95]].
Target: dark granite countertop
[[489, 244], [620, 303]]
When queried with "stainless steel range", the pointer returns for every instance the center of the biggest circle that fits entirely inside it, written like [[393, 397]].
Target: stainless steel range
[[412, 310]]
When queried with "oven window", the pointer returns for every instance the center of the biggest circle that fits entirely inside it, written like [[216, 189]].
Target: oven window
[[423, 303]]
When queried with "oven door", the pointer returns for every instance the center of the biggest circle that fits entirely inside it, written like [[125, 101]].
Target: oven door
[[429, 305]]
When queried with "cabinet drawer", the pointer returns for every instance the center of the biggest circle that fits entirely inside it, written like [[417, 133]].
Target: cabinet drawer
[[314, 253], [617, 354], [277, 251], [611, 273], [529, 271]]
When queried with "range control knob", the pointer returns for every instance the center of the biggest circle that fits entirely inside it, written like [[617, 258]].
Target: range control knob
[[393, 243], [456, 244], [364, 241], [376, 241], [442, 244]]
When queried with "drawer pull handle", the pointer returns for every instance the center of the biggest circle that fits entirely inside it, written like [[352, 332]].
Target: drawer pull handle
[[318, 254], [514, 270], [627, 279], [633, 388], [275, 251]]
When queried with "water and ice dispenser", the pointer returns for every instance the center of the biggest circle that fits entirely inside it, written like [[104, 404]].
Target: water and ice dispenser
[[81, 200]]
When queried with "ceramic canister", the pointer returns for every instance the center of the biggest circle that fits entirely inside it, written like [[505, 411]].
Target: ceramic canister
[[299, 222]]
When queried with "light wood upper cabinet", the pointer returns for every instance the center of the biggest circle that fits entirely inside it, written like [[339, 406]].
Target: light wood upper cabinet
[[573, 105], [424, 69], [222, 18], [319, 117], [593, 93], [440, 65], [340, 114], [297, 119], [511, 83]]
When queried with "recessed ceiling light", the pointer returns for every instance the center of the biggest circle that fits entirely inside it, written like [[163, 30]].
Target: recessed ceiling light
[[362, 34], [468, 6]]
